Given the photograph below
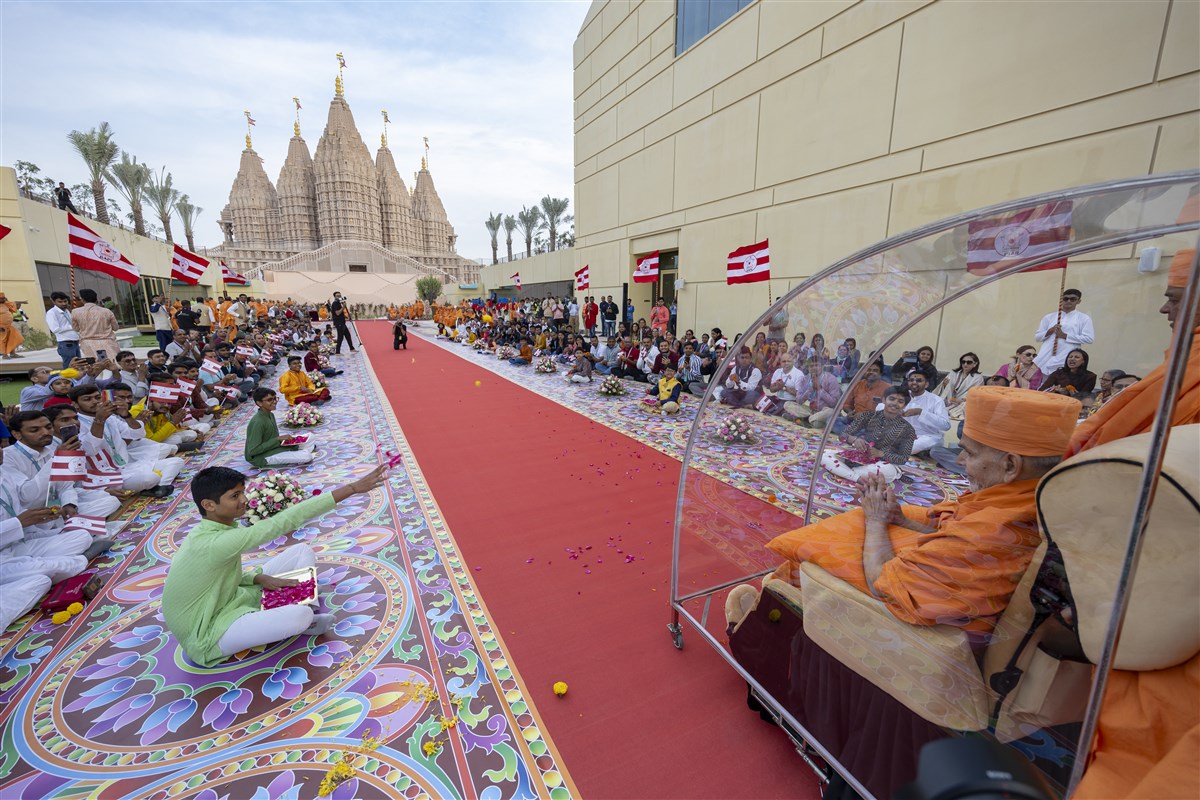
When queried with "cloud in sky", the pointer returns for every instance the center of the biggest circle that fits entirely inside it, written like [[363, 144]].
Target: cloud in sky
[[488, 82]]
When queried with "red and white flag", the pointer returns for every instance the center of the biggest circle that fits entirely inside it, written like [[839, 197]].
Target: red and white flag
[[89, 251], [163, 392], [102, 480], [583, 279], [516, 279], [187, 267], [102, 462], [228, 391], [4, 231], [749, 264], [185, 386], [212, 368], [997, 243], [647, 269], [68, 465], [92, 525], [247, 352], [231, 277]]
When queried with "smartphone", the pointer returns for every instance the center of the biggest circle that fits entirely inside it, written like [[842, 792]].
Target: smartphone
[[102, 355], [89, 360], [68, 432]]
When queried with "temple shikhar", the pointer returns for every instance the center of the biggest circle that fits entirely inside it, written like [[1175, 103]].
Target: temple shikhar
[[338, 210]]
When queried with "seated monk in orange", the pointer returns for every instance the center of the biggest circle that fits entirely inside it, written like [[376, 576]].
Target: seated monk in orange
[[1148, 733], [959, 562]]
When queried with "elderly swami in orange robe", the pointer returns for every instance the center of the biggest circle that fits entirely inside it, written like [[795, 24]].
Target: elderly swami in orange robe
[[959, 562], [1148, 737]]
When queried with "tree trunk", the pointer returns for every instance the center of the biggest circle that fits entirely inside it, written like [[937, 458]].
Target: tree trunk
[[495, 252], [529, 246], [101, 203], [191, 243], [166, 221], [139, 220], [509, 243], [553, 235]]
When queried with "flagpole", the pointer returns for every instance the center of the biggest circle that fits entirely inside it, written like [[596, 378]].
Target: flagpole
[[1062, 287]]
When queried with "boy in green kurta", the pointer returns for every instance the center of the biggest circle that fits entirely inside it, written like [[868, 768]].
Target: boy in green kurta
[[264, 445], [209, 603]]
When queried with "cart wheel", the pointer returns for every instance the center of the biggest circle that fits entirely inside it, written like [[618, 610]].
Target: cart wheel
[[676, 634]]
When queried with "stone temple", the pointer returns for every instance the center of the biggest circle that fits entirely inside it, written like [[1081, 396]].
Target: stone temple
[[337, 212]]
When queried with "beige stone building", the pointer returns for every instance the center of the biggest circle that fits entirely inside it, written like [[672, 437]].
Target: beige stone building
[[338, 213], [826, 126]]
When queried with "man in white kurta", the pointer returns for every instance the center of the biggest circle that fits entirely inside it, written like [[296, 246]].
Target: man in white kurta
[[926, 412], [29, 462], [1074, 329]]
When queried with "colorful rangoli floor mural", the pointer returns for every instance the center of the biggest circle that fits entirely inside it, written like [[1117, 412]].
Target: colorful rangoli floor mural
[[776, 467], [415, 692]]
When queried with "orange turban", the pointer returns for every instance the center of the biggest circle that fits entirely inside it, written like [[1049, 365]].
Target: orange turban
[[1021, 421], [1181, 268]]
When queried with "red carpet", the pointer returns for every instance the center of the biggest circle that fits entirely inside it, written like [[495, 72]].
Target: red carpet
[[521, 481]]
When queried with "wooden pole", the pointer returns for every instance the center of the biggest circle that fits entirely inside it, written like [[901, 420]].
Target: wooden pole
[[1062, 287], [73, 295]]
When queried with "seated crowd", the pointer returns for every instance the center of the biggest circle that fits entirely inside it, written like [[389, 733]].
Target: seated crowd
[[87, 438]]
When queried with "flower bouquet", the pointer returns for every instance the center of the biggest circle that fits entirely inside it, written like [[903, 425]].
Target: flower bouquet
[[325, 350], [735, 430], [318, 379], [504, 352], [612, 386], [546, 364], [271, 493], [858, 458], [303, 593], [479, 344], [303, 415]]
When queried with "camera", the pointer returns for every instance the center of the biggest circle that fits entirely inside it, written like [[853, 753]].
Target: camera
[[974, 768], [68, 432]]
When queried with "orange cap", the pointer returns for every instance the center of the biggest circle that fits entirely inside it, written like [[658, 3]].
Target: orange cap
[[1181, 268], [1021, 421]]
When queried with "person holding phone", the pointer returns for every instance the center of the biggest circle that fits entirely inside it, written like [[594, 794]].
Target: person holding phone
[[96, 326]]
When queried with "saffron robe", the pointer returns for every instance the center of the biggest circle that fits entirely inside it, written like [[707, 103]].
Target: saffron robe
[[1148, 734], [962, 574]]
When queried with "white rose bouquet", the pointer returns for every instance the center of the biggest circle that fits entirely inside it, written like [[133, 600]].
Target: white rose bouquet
[[612, 387], [303, 415], [318, 379], [271, 493], [735, 430], [504, 352], [546, 364]]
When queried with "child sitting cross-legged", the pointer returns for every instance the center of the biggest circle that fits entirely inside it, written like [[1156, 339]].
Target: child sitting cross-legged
[[212, 606], [297, 387], [667, 390], [264, 446]]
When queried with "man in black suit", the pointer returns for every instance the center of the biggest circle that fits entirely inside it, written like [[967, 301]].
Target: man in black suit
[[340, 312]]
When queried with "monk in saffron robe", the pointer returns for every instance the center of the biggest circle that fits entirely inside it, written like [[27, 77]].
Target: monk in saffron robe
[[1148, 734], [10, 335], [962, 567]]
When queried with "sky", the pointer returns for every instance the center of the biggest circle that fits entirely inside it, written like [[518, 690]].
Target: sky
[[489, 83]]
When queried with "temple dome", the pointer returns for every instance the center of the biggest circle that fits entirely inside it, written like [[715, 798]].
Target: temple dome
[[398, 225], [253, 208], [298, 198], [346, 184]]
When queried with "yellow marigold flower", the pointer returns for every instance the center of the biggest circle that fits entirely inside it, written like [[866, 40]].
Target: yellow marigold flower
[[74, 608], [560, 688], [774, 616], [447, 722], [431, 747], [60, 617]]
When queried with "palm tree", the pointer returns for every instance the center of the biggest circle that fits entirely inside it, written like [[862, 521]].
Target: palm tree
[[130, 178], [162, 196], [494, 221], [510, 224], [188, 214], [553, 209], [529, 220], [98, 149]]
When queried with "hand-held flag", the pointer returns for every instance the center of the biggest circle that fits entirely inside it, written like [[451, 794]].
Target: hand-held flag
[[231, 277], [583, 278], [68, 465], [89, 251], [91, 525], [749, 264], [516, 278], [163, 392], [647, 269], [187, 267]]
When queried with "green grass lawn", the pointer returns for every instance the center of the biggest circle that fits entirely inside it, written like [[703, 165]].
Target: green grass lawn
[[145, 340], [10, 393]]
